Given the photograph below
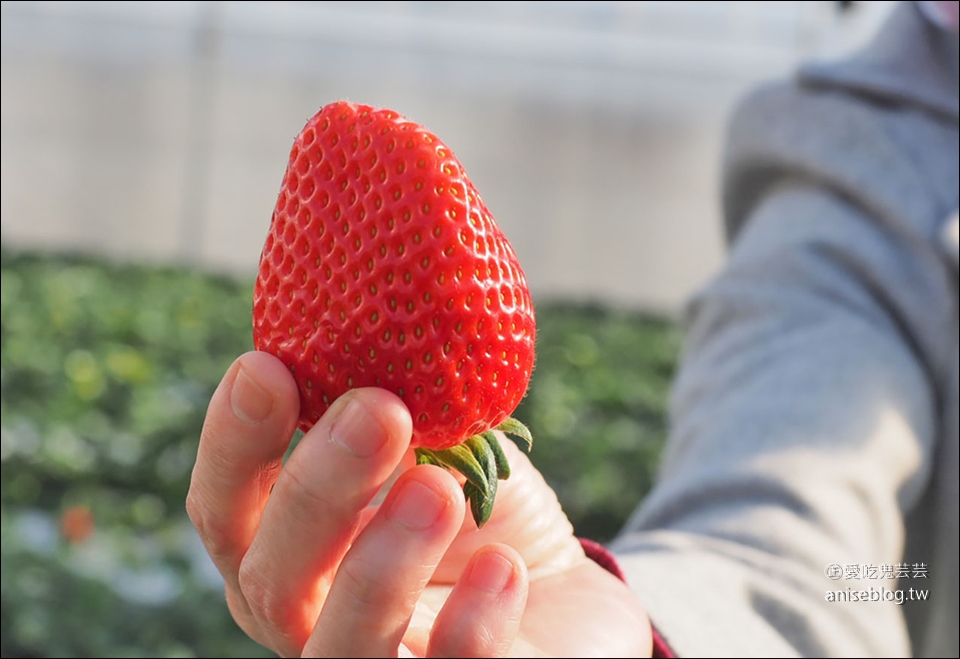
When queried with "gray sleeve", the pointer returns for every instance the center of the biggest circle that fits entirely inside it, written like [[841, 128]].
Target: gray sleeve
[[803, 419]]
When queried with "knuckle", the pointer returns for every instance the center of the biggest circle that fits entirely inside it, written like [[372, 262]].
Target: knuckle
[[241, 614], [195, 510], [370, 588], [215, 531], [474, 640], [265, 601], [308, 496], [210, 529], [254, 607]]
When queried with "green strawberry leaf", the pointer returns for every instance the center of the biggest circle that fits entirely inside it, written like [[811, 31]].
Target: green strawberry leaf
[[511, 426], [487, 460], [460, 459], [481, 505], [503, 467]]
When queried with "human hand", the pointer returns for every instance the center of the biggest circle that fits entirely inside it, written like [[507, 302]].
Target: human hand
[[316, 564]]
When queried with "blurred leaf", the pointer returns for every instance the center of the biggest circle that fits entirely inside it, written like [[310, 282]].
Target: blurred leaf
[[597, 408], [105, 374]]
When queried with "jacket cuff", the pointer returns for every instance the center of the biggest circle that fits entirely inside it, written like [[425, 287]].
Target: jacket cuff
[[605, 559]]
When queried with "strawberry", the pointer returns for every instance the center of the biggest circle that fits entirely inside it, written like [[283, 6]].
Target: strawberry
[[384, 268]]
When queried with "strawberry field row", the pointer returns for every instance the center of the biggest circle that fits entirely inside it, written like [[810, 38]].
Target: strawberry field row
[[105, 374]]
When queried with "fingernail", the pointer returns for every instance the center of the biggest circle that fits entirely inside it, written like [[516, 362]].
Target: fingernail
[[251, 403], [491, 572], [356, 430], [417, 506]]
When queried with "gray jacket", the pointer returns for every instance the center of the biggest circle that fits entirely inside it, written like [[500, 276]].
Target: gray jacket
[[814, 445]]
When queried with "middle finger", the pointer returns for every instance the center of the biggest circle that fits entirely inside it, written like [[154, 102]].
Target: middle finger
[[314, 511]]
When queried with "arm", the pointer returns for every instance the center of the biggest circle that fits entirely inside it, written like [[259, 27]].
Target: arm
[[803, 430]]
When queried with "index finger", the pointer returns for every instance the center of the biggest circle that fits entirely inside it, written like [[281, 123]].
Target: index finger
[[249, 425]]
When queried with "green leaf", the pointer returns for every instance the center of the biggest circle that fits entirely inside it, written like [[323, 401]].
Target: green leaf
[[486, 458], [425, 457], [460, 459], [481, 505], [511, 426], [503, 467]]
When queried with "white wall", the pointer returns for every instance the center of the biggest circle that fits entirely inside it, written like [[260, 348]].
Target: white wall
[[158, 131]]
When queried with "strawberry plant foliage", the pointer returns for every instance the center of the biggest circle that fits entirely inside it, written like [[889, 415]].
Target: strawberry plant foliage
[[384, 268]]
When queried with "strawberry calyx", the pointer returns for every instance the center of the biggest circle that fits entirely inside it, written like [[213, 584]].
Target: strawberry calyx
[[481, 460]]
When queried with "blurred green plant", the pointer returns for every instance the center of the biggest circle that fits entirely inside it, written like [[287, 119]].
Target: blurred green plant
[[105, 374], [597, 408]]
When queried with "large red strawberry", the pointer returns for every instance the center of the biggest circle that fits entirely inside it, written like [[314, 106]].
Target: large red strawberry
[[384, 268]]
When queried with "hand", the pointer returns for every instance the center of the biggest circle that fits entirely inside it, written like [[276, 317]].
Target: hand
[[313, 568]]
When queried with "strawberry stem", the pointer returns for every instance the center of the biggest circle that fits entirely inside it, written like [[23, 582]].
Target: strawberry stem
[[482, 462]]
